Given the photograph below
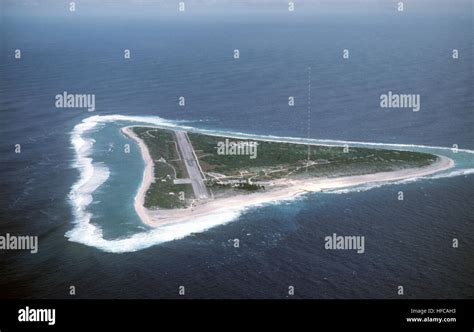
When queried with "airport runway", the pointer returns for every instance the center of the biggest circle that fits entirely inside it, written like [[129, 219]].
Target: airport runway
[[194, 172]]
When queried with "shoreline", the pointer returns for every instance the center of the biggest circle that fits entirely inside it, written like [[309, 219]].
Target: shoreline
[[282, 189], [148, 176]]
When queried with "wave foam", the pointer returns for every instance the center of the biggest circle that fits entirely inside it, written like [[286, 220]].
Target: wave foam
[[89, 234], [327, 142], [369, 186], [93, 175]]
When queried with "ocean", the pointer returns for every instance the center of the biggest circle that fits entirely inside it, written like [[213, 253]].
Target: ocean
[[92, 238]]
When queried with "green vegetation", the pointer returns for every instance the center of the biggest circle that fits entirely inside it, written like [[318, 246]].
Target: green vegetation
[[228, 173], [237, 186], [282, 160], [163, 193]]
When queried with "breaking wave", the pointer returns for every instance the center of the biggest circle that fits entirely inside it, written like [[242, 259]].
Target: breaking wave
[[93, 175]]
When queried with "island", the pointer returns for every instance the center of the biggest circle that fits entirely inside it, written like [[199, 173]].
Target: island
[[191, 174]]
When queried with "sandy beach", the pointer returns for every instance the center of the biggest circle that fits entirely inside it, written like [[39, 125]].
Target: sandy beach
[[280, 190], [148, 177]]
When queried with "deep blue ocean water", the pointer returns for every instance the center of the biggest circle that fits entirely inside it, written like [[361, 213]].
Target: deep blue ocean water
[[407, 243]]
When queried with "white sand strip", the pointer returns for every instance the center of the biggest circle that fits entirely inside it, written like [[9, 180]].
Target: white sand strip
[[280, 190], [148, 176]]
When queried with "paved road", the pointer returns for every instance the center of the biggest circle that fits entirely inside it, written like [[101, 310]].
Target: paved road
[[194, 172]]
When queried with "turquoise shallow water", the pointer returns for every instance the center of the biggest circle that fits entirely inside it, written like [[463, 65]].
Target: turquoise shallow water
[[113, 202], [407, 243], [113, 224]]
